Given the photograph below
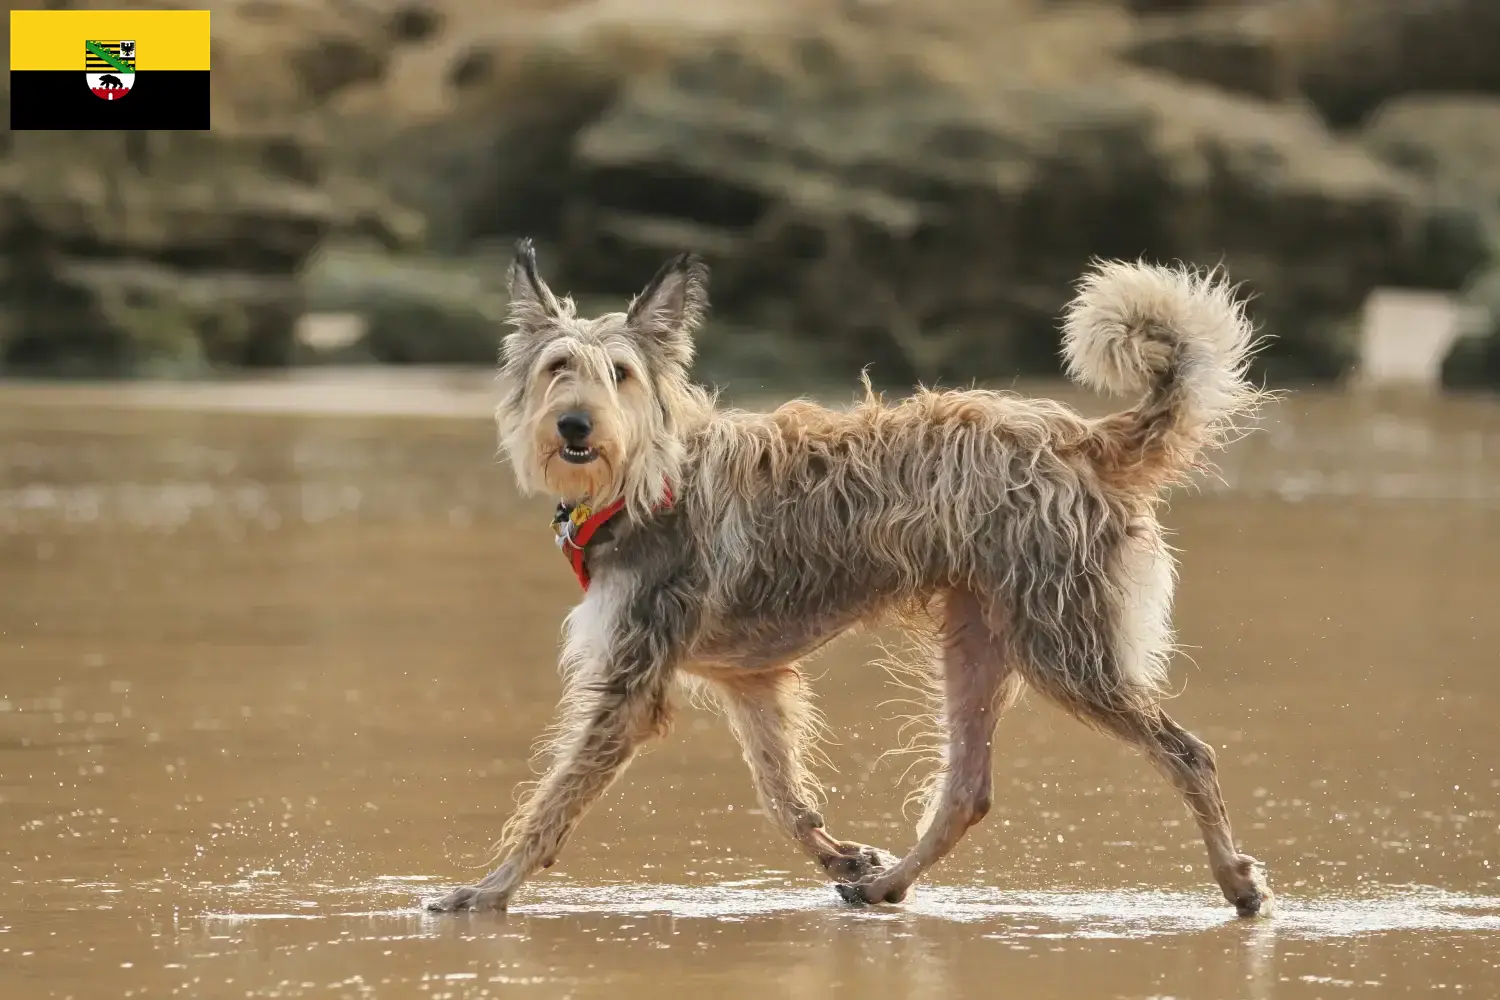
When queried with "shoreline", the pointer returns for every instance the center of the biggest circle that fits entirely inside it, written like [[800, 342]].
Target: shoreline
[[333, 391], [370, 391]]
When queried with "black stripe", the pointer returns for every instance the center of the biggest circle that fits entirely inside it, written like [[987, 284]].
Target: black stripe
[[61, 100]]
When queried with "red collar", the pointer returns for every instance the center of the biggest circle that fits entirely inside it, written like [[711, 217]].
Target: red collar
[[576, 525]]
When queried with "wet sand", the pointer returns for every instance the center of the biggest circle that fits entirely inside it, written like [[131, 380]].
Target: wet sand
[[272, 659]]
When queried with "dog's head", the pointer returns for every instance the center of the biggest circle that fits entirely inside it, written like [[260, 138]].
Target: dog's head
[[591, 409]]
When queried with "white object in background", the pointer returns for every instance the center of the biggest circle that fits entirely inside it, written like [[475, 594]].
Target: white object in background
[[1404, 336], [330, 331]]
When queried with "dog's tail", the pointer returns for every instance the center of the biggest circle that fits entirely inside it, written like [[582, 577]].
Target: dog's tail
[[1179, 338]]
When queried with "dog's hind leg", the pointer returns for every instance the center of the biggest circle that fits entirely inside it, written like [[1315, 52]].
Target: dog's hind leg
[[1188, 763], [978, 684], [1104, 667], [774, 721]]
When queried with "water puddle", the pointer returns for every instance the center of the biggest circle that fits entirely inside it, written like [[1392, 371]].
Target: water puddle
[[1084, 914]]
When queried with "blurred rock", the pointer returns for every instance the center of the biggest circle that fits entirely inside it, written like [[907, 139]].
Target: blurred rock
[[1452, 141], [1346, 56], [277, 62], [1474, 362], [325, 66], [499, 161], [1239, 50], [415, 22], [485, 117], [875, 182], [1357, 54], [416, 309], [937, 233], [178, 251], [133, 250]]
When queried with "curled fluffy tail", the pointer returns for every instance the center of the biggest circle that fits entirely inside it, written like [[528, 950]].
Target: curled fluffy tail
[[1177, 337]]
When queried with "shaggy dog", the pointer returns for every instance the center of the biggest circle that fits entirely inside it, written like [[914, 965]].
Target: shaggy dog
[[723, 547]]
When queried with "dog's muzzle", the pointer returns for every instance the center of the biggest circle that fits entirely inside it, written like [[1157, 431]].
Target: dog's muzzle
[[574, 427]]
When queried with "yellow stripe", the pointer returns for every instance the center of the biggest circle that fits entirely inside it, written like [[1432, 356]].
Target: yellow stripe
[[53, 39]]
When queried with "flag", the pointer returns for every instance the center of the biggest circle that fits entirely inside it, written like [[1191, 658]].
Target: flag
[[75, 70]]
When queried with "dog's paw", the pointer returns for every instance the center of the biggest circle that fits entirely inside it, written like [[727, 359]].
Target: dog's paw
[[1249, 891], [856, 862], [874, 890], [470, 897], [850, 894]]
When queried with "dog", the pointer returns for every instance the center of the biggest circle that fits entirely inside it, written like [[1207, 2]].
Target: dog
[[721, 548]]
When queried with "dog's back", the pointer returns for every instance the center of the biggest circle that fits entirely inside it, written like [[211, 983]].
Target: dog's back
[[814, 514]]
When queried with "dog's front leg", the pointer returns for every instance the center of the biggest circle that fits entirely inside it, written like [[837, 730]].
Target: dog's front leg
[[623, 656], [604, 737]]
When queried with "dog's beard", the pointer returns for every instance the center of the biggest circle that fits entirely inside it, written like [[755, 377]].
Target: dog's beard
[[574, 482]]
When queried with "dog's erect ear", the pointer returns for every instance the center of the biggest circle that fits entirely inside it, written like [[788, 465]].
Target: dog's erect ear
[[670, 308], [532, 303]]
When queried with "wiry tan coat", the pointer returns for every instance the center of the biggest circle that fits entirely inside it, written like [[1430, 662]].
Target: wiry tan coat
[[1025, 532]]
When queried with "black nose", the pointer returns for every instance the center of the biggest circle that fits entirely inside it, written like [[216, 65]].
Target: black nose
[[574, 427]]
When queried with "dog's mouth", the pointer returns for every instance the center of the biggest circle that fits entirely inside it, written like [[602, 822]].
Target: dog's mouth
[[575, 454]]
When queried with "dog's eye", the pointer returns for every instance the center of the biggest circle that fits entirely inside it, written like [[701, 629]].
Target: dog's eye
[[621, 374], [558, 367]]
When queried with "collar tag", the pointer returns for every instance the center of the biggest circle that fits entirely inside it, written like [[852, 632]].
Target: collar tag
[[575, 524], [568, 521]]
